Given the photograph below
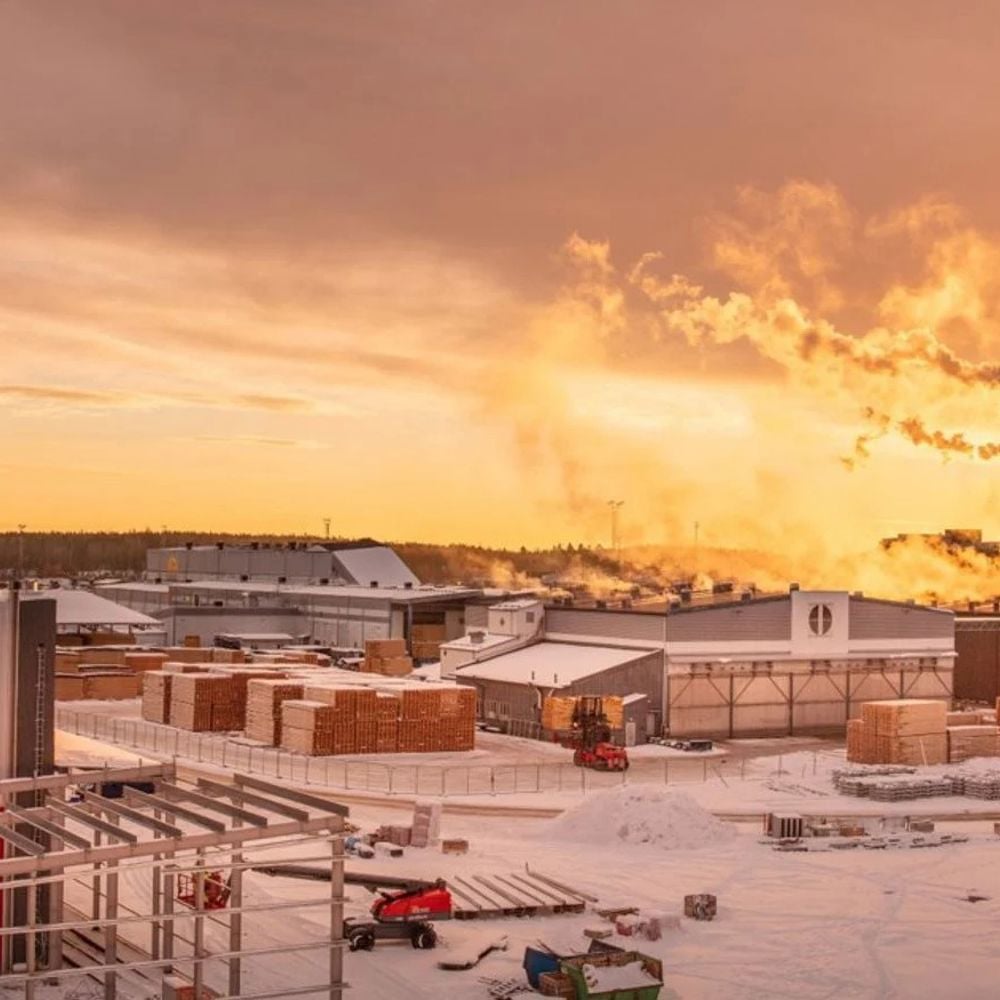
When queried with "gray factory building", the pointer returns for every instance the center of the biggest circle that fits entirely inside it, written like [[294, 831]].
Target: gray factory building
[[801, 662], [339, 616], [292, 562]]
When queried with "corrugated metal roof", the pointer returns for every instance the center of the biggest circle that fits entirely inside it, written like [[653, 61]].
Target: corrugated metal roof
[[377, 563], [550, 664]]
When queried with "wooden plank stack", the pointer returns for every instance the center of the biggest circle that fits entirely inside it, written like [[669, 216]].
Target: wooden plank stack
[[205, 703], [425, 641], [901, 731], [387, 657], [264, 700], [965, 742], [69, 687], [156, 695], [557, 711], [457, 725], [140, 662], [307, 727], [110, 686], [387, 711]]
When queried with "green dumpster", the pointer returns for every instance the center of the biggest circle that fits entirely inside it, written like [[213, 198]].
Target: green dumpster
[[624, 975]]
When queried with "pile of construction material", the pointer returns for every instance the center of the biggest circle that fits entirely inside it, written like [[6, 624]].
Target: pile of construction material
[[904, 784], [424, 831], [354, 719], [264, 700], [387, 657], [920, 731], [425, 641], [100, 673], [557, 712]]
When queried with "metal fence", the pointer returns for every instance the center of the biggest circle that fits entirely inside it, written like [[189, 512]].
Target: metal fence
[[378, 777]]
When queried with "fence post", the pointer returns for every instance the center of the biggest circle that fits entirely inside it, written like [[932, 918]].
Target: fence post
[[704, 771], [493, 781]]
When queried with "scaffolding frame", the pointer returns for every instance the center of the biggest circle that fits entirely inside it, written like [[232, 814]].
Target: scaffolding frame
[[182, 829]]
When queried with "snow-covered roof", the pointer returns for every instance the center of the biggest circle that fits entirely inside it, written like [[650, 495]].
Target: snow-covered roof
[[550, 664], [257, 636], [518, 604], [379, 563], [81, 607], [487, 641], [135, 586]]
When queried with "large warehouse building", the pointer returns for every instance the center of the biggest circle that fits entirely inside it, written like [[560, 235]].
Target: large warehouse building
[[801, 662], [977, 666]]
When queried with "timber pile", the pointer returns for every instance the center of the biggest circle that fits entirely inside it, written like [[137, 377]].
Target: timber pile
[[307, 727], [557, 712], [425, 641], [140, 662], [264, 700], [102, 685], [205, 703], [387, 710], [387, 657], [69, 687], [902, 731], [156, 696], [965, 742]]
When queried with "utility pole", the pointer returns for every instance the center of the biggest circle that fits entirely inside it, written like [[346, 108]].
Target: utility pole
[[326, 524], [20, 551], [696, 527], [615, 506]]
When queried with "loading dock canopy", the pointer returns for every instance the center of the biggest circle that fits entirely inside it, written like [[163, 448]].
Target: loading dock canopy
[[551, 664], [100, 829]]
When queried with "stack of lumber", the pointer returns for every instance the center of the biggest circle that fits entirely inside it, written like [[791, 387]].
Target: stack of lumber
[[107, 685], [420, 709], [858, 749], [67, 661], [141, 661], [220, 654], [205, 703], [179, 667], [965, 742], [387, 657], [241, 677], [307, 727], [425, 641], [103, 657], [457, 721], [156, 696], [557, 711], [354, 713], [69, 687], [264, 700], [188, 654], [901, 731], [387, 711], [967, 718]]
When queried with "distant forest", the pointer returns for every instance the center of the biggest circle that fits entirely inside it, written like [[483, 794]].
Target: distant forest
[[88, 554]]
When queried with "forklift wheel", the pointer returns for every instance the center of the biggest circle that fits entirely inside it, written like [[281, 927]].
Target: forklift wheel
[[362, 941], [424, 937]]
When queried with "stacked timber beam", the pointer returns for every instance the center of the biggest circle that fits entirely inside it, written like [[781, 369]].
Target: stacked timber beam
[[264, 701], [425, 641], [919, 731], [387, 657], [557, 712]]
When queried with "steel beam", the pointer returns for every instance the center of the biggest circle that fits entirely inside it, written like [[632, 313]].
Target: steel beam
[[14, 786], [291, 794], [240, 795], [132, 815], [175, 810], [207, 802], [31, 818], [22, 843]]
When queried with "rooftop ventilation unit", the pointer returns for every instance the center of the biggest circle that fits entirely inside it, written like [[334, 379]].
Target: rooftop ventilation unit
[[324, 581], [408, 585], [282, 579], [792, 587], [477, 637], [220, 545], [373, 584]]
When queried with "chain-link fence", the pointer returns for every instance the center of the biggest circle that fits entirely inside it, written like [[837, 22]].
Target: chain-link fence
[[407, 779]]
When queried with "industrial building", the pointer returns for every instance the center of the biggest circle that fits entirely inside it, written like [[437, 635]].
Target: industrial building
[[339, 616], [85, 618], [793, 663], [364, 564], [977, 663]]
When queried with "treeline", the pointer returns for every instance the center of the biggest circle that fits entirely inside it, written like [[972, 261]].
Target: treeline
[[83, 554]]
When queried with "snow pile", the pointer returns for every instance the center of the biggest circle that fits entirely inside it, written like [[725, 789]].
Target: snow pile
[[640, 814]]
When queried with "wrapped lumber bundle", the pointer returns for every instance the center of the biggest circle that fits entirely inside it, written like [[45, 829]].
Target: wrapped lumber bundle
[[181, 667], [965, 719], [265, 697], [387, 709], [156, 696], [907, 731], [457, 727], [307, 727], [188, 654], [965, 742], [557, 712], [220, 655], [387, 657]]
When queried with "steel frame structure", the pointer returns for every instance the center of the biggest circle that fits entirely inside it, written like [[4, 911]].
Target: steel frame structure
[[182, 829]]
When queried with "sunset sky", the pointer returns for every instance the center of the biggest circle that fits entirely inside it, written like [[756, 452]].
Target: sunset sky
[[460, 271]]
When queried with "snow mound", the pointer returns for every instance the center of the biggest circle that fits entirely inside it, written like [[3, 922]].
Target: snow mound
[[641, 814]]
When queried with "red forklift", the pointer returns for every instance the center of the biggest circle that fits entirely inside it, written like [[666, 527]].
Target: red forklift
[[403, 914], [590, 737]]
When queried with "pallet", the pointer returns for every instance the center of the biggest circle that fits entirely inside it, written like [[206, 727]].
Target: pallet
[[518, 894]]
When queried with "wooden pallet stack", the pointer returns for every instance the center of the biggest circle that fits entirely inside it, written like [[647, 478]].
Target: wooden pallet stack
[[264, 700], [307, 727], [387, 657], [156, 696], [901, 731]]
